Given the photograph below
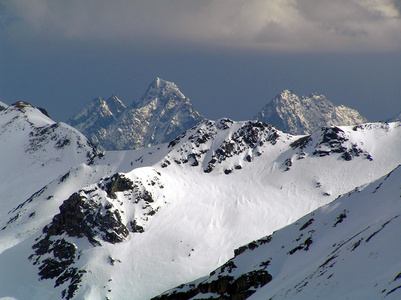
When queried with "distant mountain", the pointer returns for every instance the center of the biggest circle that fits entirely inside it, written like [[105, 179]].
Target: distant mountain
[[395, 118], [96, 117], [3, 106], [348, 249], [162, 113], [304, 115], [79, 224]]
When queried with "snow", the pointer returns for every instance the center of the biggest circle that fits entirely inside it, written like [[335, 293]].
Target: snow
[[196, 218], [352, 257]]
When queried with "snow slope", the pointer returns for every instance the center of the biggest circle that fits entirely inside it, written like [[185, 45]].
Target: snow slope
[[348, 249], [304, 115], [132, 224]]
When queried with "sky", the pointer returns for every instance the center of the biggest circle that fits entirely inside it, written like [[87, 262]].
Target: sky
[[230, 57]]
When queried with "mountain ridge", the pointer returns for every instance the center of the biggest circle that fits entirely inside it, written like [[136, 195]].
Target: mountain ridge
[[132, 224]]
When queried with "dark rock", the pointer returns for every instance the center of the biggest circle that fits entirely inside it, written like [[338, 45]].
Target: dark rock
[[79, 218], [227, 287], [309, 222], [118, 183]]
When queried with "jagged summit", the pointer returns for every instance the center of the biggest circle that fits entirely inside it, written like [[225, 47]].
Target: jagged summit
[[160, 90], [97, 116], [162, 114], [306, 114]]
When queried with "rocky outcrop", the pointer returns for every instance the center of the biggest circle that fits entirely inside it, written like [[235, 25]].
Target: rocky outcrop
[[56, 256], [80, 218], [211, 144], [224, 283]]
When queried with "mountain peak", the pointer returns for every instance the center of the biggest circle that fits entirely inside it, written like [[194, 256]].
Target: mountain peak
[[306, 114], [162, 90], [159, 82], [285, 93], [162, 113]]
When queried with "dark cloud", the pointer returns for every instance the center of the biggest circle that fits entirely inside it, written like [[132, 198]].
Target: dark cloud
[[251, 24]]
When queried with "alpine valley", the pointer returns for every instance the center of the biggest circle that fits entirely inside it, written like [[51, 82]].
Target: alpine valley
[[305, 216]]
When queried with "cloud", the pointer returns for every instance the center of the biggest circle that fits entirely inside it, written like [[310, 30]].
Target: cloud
[[273, 25]]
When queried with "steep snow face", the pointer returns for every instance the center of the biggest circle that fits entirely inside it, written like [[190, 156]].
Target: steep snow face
[[304, 115], [35, 150], [133, 224], [162, 113], [348, 249]]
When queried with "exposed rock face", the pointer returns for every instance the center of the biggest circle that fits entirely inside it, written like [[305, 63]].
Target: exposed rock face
[[225, 283], [94, 217], [162, 113], [304, 115], [94, 119], [198, 146], [79, 218], [56, 256]]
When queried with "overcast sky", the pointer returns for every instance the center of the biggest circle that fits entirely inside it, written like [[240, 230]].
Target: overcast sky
[[230, 57]]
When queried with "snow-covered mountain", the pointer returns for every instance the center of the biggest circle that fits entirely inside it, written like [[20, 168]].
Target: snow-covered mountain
[[162, 113], [304, 115], [35, 150], [79, 224], [348, 249], [3, 106], [95, 118]]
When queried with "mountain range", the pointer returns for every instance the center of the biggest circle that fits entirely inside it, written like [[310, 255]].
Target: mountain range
[[79, 223], [162, 113]]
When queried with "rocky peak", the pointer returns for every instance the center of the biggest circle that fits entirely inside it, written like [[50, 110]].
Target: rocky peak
[[98, 108], [306, 114], [115, 105], [162, 114], [287, 94], [161, 90]]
